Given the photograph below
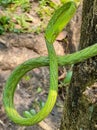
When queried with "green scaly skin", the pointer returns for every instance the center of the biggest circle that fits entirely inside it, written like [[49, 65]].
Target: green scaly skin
[[59, 20]]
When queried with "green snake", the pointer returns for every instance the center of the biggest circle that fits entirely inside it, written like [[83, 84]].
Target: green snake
[[58, 21]]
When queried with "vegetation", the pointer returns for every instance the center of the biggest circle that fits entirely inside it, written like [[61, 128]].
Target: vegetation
[[15, 15]]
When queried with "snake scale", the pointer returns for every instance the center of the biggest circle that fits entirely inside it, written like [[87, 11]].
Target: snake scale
[[58, 21]]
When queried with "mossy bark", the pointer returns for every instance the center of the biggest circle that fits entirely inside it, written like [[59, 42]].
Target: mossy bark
[[80, 113]]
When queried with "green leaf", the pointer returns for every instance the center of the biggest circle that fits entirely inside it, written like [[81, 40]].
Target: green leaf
[[1, 30], [33, 112], [68, 77], [4, 20], [39, 90], [27, 114], [5, 2], [27, 77], [41, 104]]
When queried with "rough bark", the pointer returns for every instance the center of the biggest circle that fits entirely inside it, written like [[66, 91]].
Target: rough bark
[[79, 112]]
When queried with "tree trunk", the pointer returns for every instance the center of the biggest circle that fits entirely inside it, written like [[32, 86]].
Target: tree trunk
[[80, 113]]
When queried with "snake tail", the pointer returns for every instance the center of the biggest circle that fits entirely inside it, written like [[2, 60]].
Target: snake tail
[[58, 21]]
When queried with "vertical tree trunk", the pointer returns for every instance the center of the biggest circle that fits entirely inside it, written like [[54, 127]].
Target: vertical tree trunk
[[79, 112]]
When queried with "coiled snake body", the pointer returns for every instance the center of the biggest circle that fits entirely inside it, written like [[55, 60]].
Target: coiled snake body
[[59, 20]]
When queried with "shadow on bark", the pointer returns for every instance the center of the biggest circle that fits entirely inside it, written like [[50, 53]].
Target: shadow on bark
[[79, 112]]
